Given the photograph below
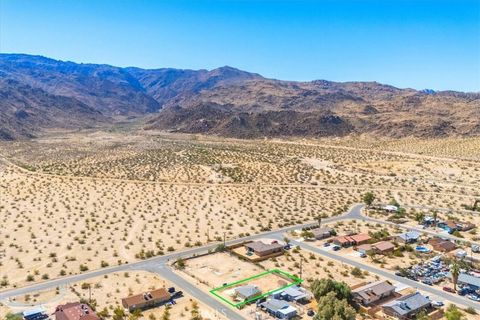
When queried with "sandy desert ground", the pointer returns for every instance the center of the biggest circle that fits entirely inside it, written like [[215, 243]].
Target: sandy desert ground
[[107, 293], [73, 202]]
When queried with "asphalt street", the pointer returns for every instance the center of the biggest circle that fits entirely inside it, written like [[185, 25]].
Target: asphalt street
[[160, 265]]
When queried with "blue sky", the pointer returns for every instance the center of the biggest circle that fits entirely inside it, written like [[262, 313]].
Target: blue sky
[[419, 44]]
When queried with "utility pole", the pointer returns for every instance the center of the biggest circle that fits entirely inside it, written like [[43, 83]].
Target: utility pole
[[319, 221], [89, 293], [301, 267], [224, 239]]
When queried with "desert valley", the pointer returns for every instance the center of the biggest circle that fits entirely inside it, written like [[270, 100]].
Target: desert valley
[[128, 193]]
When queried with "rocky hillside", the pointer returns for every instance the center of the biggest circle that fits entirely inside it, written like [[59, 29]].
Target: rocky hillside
[[38, 93]]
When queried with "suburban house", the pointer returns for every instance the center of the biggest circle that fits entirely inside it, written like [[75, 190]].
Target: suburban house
[[373, 292], [322, 233], [357, 239], [247, 292], [37, 313], [383, 247], [361, 238], [262, 249], [466, 279], [448, 226], [441, 245], [408, 237], [343, 241], [279, 309], [146, 300], [293, 293], [465, 226], [364, 248], [75, 311], [407, 307]]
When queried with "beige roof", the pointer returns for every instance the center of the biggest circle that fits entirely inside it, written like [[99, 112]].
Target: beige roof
[[384, 246], [139, 299], [260, 246], [321, 231], [374, 289], [360, 237]]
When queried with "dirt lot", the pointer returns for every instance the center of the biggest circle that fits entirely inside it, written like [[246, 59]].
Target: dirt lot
[[79, 201], [108, 291]]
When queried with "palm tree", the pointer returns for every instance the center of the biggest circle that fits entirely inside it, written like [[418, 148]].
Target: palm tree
[[455, 271], [435, 219]]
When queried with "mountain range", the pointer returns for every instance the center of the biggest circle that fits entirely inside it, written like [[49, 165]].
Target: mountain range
[[38, 93]]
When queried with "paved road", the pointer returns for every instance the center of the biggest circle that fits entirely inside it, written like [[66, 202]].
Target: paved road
[[160, 266], [186, 286], [159, 260], [360, 216], [431, 290]]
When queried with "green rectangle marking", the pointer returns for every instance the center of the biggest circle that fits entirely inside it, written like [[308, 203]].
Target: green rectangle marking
[[296, 281]]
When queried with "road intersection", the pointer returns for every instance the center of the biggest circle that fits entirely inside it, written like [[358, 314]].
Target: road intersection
[[161, 265]]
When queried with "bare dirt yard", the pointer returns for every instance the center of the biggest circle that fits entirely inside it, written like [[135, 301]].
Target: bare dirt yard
[[73, 202], [107, 292]]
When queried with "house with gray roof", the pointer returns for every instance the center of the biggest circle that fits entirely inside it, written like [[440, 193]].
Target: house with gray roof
[[293, 293], [264, 249], [279, 309], [407, 307], [466, 279], [247, 292], [408, 237], [322, 233], [373, 292]]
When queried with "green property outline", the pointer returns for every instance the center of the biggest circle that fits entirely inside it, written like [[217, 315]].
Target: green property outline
[[296, 279]]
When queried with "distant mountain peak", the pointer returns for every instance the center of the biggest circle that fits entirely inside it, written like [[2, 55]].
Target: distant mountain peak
[[37, 92]]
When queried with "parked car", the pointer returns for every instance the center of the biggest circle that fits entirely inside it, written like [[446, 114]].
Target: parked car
[[473, 297], [448, 289], [427, 282], [326, 244], [171, 289], [336, 248], [363, 255], [399, 274], [437, 304], [177, 294], [310, 313]]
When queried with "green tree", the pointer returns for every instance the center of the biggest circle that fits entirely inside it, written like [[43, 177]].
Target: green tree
[[180, 263], [307, 234], [321, 287], [11, 316], [368, 198], [453, 313], [330, 307], [455, 271], [422, 315], [104, 313], [166, 313], [195, 312], [118, 313], [136, 314], [219, 248], [435, 215]]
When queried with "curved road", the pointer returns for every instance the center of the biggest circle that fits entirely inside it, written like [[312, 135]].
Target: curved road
[[160, 265]]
